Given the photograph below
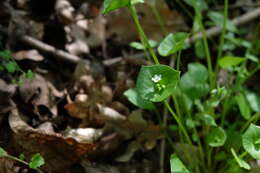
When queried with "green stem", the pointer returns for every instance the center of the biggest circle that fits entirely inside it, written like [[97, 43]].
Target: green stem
[[222, 38], [205, 42], [254, 118], [23, 162], [182, 128], [142, 34]]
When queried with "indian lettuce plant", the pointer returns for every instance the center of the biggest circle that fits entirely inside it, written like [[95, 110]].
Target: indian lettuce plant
[[215, 122]]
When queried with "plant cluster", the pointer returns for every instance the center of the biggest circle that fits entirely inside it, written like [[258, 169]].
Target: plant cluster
[[215, 117]]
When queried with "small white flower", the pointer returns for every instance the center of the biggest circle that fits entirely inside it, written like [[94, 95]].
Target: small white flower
[[156, 78]]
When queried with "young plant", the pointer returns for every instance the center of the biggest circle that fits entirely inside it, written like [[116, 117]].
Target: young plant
[[36, 161], [201, 104]]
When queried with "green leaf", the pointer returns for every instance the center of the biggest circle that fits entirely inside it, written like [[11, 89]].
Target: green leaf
[[36, 161], [194, 82], [251, 142], [11, 66], [254, 100], [243, 106], [240, 162], [217, 137], [177, 166], [172, 43], [2, 152], [6, 54], [29, 74], [136, 1], [157, 82], [138, 101], [21, 156], [208, 120], [218, 19], [110, 5], [140, 46], [200, 4], [199, 49], [230, 61]]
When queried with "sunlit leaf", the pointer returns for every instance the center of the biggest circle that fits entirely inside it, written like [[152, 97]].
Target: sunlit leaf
[[140, 46], [36, 161], [217, 137], [110, 5], [240, 162], [177, 166], [157, 82], [251, 141], [172, 43], [2, 152], [253, 100], [208, 120], [230, 61], [243, 106], [138, 101]]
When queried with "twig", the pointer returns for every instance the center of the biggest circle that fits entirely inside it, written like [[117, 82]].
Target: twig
[[45, 47]]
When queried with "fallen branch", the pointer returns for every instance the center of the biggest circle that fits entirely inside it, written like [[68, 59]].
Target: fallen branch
[[45, 47]]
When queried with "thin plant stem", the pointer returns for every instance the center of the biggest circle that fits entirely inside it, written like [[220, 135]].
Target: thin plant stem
[[142, 34], [182, 128], [205, 42], [254, 118], [21, 161], [222, 38]]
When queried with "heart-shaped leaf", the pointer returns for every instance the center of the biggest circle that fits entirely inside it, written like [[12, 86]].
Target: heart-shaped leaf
[[172, 43], [251, 141], [134, 98], [230, 61], [217, 137], [157, 82], [177, 166]]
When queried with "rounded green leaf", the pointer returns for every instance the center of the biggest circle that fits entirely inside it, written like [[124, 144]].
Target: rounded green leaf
[[194, 82], [229, 61], [217, 137], [138, 101], [110, 5], [157, 82], [36, 161], [172, 43], [251, 141]]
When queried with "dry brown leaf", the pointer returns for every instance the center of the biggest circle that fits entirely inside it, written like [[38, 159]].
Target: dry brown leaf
[[119, 19], [59, 152]]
